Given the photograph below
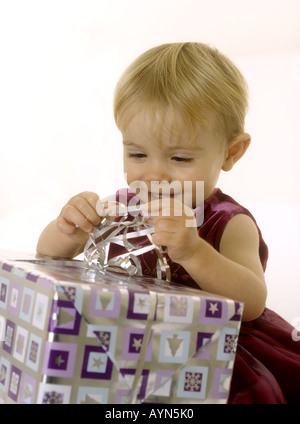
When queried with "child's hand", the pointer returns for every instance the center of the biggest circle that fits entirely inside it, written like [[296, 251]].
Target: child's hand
[[175, 227], [79, 215], [66, 236]]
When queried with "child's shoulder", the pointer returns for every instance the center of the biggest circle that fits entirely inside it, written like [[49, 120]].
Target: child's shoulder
[[219, 209]]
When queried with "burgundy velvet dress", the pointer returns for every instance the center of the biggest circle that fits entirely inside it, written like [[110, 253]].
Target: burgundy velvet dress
[[267, 366]]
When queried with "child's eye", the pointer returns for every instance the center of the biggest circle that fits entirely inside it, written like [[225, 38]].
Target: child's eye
[[137, 155], [181, 159]]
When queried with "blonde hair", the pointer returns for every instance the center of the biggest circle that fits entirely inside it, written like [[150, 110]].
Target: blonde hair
[[193, 78]]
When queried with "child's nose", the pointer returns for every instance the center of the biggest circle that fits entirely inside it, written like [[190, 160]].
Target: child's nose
[[156, 171]]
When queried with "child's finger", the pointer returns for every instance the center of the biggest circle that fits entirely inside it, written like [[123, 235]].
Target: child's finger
[[110, 209], [162, 238], [168, 207], [85, 208], [66, 227], [86, 196], [73, 216], [91, 197]]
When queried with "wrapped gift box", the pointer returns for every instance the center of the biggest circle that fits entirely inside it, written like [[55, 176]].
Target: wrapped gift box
[[71, 333]]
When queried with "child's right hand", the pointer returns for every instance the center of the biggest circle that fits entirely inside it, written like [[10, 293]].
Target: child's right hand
[[79, 215], [66, 236]]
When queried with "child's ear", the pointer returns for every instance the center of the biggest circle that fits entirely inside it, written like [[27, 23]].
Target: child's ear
[[237, 147]]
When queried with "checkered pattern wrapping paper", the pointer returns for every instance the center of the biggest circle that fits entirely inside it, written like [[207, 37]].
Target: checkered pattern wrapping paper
[[71, 334]]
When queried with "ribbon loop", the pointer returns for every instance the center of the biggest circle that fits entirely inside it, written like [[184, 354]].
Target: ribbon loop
[[121, 232]]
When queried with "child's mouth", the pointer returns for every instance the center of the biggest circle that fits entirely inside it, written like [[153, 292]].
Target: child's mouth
[[155, 196]]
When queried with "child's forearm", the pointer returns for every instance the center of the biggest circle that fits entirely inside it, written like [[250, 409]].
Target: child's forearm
[[53, 242], [217, 274]]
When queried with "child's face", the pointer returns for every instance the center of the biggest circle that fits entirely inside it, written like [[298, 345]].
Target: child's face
[[163, 149]]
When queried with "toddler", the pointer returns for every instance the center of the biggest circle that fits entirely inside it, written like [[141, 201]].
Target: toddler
[[181, 108]]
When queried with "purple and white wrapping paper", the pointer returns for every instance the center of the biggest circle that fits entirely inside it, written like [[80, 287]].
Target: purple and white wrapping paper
[[76, 334]]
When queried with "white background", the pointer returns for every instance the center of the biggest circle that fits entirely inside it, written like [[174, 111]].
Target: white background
[[59, 63]]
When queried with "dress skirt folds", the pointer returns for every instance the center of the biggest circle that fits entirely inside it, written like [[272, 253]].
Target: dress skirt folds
[[267, 366]]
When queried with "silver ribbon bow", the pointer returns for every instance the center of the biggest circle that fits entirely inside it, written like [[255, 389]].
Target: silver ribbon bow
[[96, 251]]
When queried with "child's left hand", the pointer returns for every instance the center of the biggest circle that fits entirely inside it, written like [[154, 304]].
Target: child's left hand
[[175, 227]]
